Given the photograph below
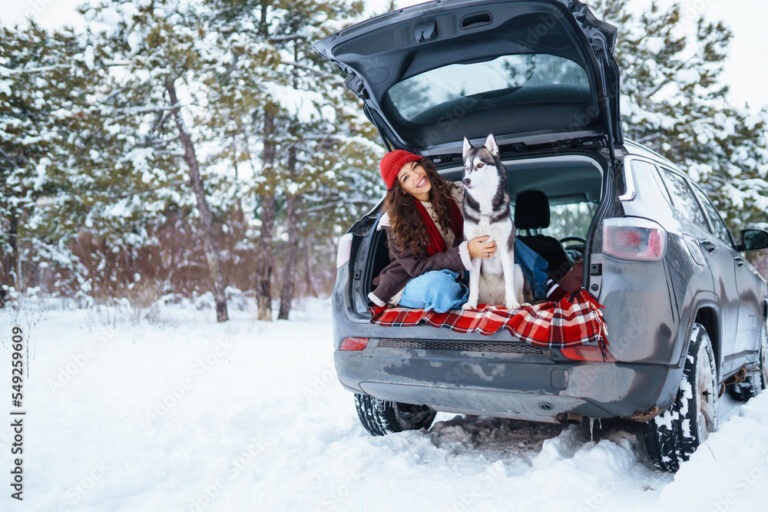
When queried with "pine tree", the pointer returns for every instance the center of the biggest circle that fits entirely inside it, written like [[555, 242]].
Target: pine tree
[[289, 120], [225, 95], [160, 49], [46, 122], [674, 101]]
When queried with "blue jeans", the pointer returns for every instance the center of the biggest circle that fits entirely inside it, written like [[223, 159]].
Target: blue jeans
[[534, 268], [436, 290]]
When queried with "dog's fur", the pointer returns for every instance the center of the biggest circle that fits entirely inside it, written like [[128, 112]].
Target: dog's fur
[[486, 212]]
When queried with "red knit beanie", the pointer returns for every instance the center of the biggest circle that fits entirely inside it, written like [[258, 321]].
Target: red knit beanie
[[392, 163]]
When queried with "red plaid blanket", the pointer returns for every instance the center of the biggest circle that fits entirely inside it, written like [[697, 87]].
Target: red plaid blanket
[[571, 321]]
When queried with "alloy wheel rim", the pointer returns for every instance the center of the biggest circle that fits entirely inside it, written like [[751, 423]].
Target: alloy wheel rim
[[764, 361], [705, 395]]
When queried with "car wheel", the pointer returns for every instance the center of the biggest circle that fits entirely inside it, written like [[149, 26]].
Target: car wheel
[[380, 417], [764, 362], [674, 435], [755, 381]]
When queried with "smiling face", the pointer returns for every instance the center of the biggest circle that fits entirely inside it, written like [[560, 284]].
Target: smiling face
[[412, 178]]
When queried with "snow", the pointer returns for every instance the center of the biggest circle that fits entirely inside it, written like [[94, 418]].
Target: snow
[[163, 409], [301, 104], [88, 57], [135, 41], [111, 17], [655, 44]]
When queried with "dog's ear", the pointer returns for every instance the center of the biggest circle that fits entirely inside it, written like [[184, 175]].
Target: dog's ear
[[467, 148], [490, 144]]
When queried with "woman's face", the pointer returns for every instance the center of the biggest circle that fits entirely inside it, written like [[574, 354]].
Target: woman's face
[[413, 180]]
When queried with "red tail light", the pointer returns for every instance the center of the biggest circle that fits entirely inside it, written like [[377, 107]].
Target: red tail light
[[631, 238], [587, 353], [354, 344]]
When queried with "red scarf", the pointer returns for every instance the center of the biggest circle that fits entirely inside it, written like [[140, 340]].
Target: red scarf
[[436, 242]]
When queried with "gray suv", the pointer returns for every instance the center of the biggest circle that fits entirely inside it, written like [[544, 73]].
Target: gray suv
[[686, 312]]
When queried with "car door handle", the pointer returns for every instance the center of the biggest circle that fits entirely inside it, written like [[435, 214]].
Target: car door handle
[[708, 245], [739, 261]]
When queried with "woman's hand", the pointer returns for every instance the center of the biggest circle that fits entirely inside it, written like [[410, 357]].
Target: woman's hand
[[481, 247]]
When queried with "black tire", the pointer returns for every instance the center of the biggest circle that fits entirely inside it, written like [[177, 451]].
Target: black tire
[[756, 381], [380, 417], [673, 436], [742, 391], [764, 362]]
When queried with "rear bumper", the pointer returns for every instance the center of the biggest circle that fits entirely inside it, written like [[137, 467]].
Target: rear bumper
[[518, 381], [507, 385]]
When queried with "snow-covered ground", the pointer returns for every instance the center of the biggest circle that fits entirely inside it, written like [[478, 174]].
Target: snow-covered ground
[[178, 413]]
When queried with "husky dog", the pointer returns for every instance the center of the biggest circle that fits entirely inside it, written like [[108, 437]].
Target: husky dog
[[486, 212]]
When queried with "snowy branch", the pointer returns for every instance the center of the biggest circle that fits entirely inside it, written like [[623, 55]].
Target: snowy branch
[[281, 39], [670, 76], [146, 110], [170, 153], [172, 184], [315, 71], [41, 69], [332, 204]]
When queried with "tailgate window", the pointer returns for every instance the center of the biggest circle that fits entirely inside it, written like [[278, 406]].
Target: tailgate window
[[522, 79]]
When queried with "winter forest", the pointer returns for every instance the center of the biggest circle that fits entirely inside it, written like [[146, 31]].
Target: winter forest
[[176, 148]]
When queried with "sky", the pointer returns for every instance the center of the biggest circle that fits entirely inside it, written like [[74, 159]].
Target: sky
[[745, 70]]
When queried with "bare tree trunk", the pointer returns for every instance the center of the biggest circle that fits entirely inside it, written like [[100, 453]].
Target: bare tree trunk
[[206, 223], [264, 20], [265, 260], [309, 283], [289, 270], [12, 272]]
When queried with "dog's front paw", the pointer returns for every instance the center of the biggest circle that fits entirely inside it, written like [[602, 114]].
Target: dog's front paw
[[512, 304], [469, 305]]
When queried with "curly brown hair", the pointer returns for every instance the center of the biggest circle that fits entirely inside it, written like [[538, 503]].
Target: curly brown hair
[[406, 224]]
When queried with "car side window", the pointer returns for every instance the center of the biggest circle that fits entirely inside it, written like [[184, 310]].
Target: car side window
[[683, 200], [720, 229]]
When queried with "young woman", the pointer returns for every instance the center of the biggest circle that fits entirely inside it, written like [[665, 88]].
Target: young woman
[[424, 229]]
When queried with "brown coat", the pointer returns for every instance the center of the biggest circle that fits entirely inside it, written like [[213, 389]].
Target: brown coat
[[405, 265]]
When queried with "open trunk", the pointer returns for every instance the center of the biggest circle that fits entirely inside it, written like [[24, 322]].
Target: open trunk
[[528, 71], [573, 183]]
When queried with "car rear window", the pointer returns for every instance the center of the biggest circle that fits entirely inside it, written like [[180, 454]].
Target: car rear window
[[520, 78]]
